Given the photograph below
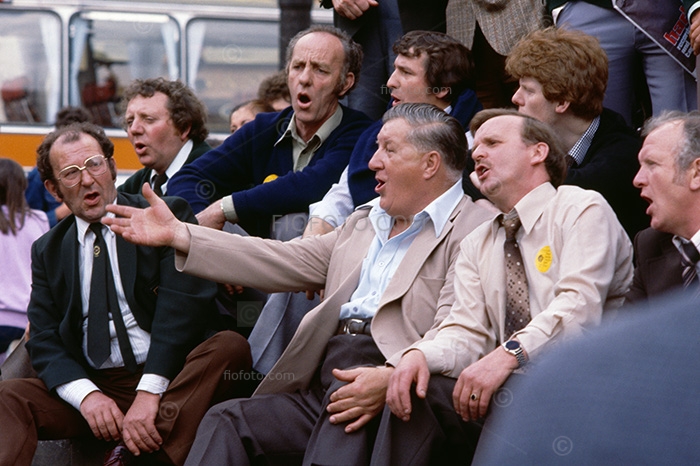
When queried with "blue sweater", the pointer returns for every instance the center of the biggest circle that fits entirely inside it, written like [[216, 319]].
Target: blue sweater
[[361, 179], [240, 166]]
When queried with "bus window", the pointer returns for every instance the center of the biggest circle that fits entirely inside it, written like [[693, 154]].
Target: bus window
[[30, 51], [108, 50], [227, 60]]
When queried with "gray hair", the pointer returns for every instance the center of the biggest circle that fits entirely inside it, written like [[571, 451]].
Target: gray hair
[[688, 148], [433, 129], [352, 62]]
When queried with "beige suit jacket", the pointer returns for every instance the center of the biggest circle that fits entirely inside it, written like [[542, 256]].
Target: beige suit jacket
[[416, 300], [503, 22]]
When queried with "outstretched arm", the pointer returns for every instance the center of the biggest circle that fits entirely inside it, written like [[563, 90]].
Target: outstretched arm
[[154, 226]]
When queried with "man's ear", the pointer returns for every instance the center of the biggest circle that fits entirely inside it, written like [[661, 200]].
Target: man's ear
[[562, 107], [112, 167], [433, 161], [444, 92], [53, 190], [694, 175], [185, 134], [349, 82], [540, 151]]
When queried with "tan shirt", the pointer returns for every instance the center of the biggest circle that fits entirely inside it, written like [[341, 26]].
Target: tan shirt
[[578, 261]]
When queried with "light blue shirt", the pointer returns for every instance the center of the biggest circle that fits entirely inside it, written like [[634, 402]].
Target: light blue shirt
[[385, 254]]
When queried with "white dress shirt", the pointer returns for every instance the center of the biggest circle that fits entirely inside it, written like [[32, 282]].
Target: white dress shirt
[[74, 392]]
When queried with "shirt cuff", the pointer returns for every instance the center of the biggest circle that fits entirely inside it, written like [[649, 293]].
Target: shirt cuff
[[75, 392], [692, 10], [228, 209], [153, 383]]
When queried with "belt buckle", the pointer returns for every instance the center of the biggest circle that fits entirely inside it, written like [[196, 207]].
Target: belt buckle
[[348, 322]]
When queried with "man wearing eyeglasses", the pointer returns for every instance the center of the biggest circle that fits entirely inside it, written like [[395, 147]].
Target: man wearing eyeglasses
[[133, 384]]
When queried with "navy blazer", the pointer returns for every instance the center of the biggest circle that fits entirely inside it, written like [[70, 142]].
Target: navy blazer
[[609, 167], [260, 173], [173, 307], [658, 268]]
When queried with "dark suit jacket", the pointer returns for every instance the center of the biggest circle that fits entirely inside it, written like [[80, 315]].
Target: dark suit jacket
[[609, 168], [173, 307], [658, 266], [135, 182], [415, 15]]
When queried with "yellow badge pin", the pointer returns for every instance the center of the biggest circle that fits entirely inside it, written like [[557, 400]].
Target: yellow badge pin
[[543, 259]]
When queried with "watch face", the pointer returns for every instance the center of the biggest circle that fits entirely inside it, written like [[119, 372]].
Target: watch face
[[512, 345]]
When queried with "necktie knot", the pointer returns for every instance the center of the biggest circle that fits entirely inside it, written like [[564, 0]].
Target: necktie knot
[[97, 229], [158, 183], [511, 223]]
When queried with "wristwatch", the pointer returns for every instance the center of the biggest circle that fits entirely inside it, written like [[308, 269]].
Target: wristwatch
[[514, 348]]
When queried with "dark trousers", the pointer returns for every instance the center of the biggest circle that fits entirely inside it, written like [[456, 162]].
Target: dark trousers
[[435, 434], [29, 412], [289, 428], [293, 428]]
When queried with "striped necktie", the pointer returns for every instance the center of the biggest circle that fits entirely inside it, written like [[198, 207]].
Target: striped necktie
[[689, 259]]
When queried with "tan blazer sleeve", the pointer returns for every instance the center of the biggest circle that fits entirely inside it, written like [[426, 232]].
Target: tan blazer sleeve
[[264, 264]]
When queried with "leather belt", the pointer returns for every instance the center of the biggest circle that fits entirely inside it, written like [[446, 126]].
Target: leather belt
[[353, 326]]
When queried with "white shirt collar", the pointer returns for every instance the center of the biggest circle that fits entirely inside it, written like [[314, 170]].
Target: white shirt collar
[[177, 163]]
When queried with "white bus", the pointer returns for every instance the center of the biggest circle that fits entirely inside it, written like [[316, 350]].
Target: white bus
[[55, 53]]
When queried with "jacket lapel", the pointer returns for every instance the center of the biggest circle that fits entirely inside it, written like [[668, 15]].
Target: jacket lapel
[[127, 263], [416, 256], [71, 277]]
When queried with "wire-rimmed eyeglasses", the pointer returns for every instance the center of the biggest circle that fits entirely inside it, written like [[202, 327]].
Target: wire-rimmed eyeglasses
[[71, 175]]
